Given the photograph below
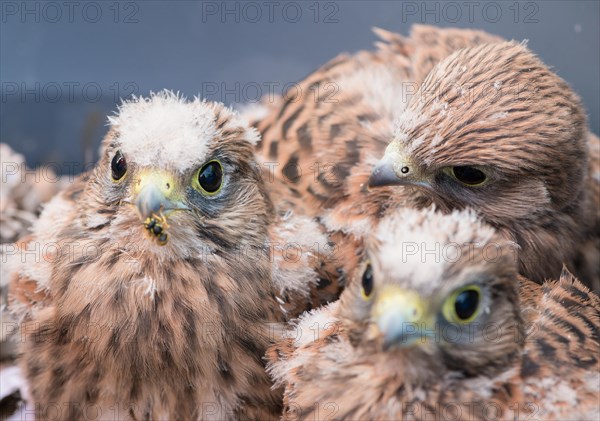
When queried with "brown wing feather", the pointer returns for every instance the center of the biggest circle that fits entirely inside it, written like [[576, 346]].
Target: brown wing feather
[[587, 265], [562, 350]]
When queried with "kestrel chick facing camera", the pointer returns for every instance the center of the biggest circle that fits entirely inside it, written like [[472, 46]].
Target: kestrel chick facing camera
[[145, 304], [438, 324]]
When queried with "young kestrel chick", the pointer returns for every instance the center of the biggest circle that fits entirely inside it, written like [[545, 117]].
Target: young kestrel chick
[[492, 107], [494, 129], [439, 325], [323, 138], [154, 280]]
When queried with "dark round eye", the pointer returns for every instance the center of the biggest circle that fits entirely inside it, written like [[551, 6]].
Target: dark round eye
[[470, 176], [210, 177], [118, 166], [466, 304], [367, 281]]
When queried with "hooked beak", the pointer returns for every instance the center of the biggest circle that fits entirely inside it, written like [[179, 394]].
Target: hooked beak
[[396, 169], [157, 194], [400, 318], [383, 174]]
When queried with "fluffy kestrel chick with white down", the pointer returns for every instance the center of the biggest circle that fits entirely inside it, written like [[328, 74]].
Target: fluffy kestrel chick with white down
[[439, 325], [494, 129], [147, 305]]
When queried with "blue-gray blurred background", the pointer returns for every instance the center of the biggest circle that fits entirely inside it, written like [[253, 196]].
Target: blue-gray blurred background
[[64, 65]]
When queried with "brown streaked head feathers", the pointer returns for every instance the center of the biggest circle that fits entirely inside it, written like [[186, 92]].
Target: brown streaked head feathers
[[499, 113]]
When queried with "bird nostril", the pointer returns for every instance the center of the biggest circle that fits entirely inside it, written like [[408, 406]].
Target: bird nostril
[[404, 170]]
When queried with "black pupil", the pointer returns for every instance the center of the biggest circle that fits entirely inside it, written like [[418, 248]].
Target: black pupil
[[466, 304], [469, 175], [367, 281], [118, 166], [210, 177]]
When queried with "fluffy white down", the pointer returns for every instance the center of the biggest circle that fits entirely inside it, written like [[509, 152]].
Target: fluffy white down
[[420, 241], [35, 261], [298, 239], [253, 111], [309, 327], [381, 89], [312, 325], [166, 127], [12, 165]]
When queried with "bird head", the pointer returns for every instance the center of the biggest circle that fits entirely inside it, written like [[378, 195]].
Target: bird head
[[436, 289], [178, 175], [491, 127]]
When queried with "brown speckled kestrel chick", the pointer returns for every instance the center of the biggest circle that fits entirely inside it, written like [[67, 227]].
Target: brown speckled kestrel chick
[[323, 138], [439, 325], [493, 104], [148, 286], [494, 129]]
